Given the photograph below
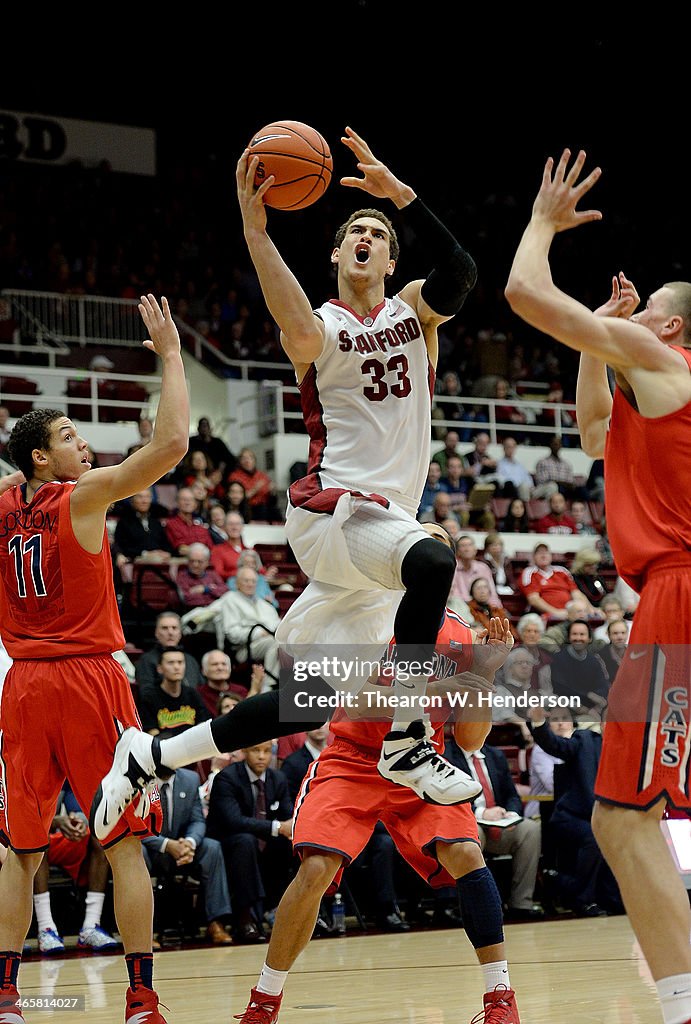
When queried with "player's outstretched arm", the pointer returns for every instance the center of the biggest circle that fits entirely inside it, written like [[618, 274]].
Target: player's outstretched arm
[[302, 334], [534, 297], [100, 487], [11, 480], [441, 295]]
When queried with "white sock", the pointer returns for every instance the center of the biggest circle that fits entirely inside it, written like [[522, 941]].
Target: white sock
[[675, 996], [271, 982], [195, 744], [496, 974], [44, 916], [412, 688], [94, 909]]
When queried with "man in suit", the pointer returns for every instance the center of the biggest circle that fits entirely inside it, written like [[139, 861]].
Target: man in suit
[[183, 844], [521, 840], [251, 814], [588, 883]]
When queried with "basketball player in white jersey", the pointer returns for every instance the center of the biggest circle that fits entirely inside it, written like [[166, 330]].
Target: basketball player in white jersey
[[365, 365]]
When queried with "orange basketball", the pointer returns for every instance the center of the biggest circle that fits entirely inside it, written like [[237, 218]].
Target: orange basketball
[[299, 159]]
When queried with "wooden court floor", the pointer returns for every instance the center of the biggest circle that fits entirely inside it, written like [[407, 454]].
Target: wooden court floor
[[588, 972]]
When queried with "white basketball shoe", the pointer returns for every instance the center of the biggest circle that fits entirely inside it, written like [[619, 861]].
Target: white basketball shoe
[[410, 759], [134, 772]]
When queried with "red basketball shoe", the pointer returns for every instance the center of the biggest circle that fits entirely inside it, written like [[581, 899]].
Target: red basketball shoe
[[142, 1007], [261, 1009], [10, 1012], [500, 1007]]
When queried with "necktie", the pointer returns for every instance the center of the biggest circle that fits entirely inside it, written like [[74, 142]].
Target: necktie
[[260, 806], [483, 778]]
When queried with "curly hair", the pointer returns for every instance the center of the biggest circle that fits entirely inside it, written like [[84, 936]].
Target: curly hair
[[32, 430], [377, 215]]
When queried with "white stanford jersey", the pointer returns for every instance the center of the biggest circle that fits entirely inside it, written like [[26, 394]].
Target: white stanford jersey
[[367, 407]]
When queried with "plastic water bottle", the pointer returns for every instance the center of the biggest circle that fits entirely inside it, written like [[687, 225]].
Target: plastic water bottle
[[338, 915]]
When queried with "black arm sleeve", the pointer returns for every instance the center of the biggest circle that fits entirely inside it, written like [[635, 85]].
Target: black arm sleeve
[[454, 273]]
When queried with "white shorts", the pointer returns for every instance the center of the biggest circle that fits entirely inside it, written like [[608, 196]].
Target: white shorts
[[359, 546]]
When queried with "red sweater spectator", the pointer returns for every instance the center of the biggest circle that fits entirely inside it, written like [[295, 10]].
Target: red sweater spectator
[[224, 557], [185, 527], [258, 485], [548, 588], [557, 520]]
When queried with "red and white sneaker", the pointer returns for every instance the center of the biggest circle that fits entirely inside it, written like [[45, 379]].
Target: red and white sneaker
[[141, 1007], [500, 1007], [10, 1012], [261, 1009]]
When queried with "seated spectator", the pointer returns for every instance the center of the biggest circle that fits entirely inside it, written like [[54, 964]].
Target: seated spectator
[[236, 500], [203, 500], [259, 487], [455, 484], [245, 621], [556, 635], [553, 473], [251, 558], [183, 847], [516, 519], [481, 607], [513, 680], [612, 609], [250, 814], [224, 556], [441, 510], [500, 564], [541, 770], [513, 479], [174, 706], [167, 633], [442, 409], [612, 654], [548, 588], [578, 513], [145, 430], [499, 797], [588, 887], [579, 673], [215, 448], [186, 526], [468, 568], [139, 531], [584, 571], [556, 418], [505, 411], [197, 467], [530, 628], [451, 442], [452, 528], [217, 523], [218, 683], [198, 585], [557, 520], [72, 848], [478, 462]]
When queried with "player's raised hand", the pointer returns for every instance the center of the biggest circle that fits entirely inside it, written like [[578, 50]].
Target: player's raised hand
[[250, 197], [624, 300], [561, 191], [159, 322], [378, 179]]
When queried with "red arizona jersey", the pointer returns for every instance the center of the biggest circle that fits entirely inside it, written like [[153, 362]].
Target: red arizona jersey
[[56, 599], [453, 655], [647, 469]]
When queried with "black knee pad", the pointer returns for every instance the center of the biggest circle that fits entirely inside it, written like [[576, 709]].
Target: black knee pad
[[429, 564]]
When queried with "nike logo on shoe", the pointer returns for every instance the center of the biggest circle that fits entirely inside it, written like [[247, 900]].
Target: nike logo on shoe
[[140, 1018]]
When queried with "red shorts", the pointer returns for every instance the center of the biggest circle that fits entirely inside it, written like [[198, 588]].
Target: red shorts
[[70, 855], [58, 721], [342, 798], [646, 740]]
